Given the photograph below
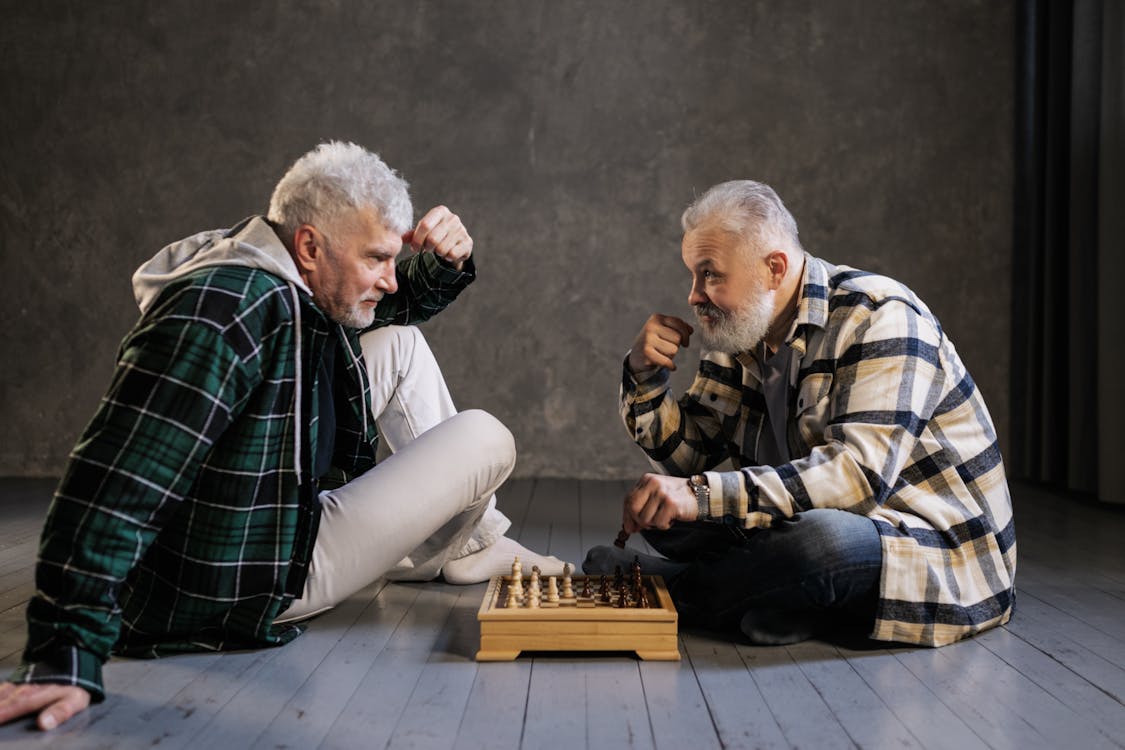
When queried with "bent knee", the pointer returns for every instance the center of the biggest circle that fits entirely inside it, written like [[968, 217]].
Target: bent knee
[[397, 338], [489, 433], [829, 534]]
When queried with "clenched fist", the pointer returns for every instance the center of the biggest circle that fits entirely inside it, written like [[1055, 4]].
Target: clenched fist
[[658, 343], [441, 232]]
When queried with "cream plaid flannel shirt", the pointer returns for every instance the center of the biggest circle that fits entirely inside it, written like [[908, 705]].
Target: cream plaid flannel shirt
[[885, 421]]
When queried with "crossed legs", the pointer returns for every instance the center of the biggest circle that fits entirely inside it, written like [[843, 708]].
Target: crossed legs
[[428, 508], [816, 572]]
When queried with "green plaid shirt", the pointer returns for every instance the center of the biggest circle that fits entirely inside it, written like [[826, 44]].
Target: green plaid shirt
[[885, 422], [186, 517]]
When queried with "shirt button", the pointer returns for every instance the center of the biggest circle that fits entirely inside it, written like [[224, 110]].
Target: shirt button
[[714, 396]]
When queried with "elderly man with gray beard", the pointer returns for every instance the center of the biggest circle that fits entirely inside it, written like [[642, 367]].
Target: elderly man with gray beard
[[865, 493]]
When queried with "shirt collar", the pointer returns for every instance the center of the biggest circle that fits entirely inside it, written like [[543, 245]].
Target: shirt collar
[[812, 307]]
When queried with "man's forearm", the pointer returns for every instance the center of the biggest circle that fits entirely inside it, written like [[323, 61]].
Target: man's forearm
[[426, 286], [680, 437]]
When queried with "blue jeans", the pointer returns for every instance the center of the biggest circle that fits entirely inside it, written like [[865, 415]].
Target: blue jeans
[[817, 572]]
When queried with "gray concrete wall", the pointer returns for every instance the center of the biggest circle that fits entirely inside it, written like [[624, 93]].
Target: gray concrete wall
[[568, 135]]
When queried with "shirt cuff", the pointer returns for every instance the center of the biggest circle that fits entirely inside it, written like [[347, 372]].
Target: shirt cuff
[[444, 272], [644, 381], [68, 665]]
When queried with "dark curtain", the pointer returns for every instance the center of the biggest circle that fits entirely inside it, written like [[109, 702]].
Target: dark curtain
[[1059, 243]]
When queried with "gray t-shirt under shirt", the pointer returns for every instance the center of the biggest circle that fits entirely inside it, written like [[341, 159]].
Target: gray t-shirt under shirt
[[773, 443]]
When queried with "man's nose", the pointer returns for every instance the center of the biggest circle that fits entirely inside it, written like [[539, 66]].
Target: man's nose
[[696, 297], [387, 283]]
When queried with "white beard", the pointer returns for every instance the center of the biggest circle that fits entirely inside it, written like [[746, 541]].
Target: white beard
[[740, 330], [355, 316]]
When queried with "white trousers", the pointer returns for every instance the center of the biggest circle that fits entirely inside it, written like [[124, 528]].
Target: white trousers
[[429, 502]]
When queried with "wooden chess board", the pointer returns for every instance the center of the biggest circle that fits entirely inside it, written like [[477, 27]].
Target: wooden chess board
[[578, 624]]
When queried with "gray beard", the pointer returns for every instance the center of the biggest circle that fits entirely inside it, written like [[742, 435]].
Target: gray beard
[[738, 331], [355, 317]]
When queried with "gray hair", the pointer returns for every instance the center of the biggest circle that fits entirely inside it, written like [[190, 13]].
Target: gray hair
[[334, 178], [751, 210]]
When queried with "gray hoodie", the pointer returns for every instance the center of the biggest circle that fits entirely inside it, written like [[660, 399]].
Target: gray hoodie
[[251, 243]]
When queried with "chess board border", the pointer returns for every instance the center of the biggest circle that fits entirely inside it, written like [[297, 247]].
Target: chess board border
[[650, 632]]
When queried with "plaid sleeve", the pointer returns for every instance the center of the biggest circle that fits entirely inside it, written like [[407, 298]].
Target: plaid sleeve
[[176, 386], [426, 286], [68, 665], [887, 384], [679, 437]]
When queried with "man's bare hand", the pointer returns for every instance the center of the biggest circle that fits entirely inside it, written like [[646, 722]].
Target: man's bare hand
[[657, 500], [55, 703], [658, 343], [441, 232]]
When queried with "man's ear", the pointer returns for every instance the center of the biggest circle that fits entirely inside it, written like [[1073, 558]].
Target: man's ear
[[306, 247], [778, 263]]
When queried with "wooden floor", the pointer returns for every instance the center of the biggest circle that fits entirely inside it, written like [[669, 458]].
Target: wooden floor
[[393, 666]]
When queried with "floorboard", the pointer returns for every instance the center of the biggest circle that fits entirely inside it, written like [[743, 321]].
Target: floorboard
[[912, 700], [677, 709], [864, 716], [393, 667], [737, 707]]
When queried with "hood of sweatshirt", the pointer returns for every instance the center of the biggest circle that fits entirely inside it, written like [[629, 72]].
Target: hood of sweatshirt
[[251, 243]]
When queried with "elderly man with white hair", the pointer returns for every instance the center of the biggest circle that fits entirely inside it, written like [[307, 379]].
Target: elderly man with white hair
[[865, 490], [227, 487]]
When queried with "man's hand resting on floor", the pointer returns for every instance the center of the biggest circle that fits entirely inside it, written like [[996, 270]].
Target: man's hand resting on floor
[[55, 703]]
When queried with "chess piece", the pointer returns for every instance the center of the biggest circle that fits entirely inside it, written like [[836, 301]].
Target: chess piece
[[587, 589], [642, 600], [552, 590], [622, 537], [618, 577], [622, 600], [516, 581], [534, 591], [513, 599], [567, 584], [603, 591]]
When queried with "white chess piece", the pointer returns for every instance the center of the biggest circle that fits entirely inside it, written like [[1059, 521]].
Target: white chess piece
[[515, 583], [534, 591]]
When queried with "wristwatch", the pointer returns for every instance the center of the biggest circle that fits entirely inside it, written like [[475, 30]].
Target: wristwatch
[[702, 490]]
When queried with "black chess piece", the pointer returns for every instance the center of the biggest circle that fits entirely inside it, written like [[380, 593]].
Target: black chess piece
[[603, 593], [587, 589]]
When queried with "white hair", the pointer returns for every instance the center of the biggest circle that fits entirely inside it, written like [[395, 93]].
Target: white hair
[[333, 179], [751, 210]]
